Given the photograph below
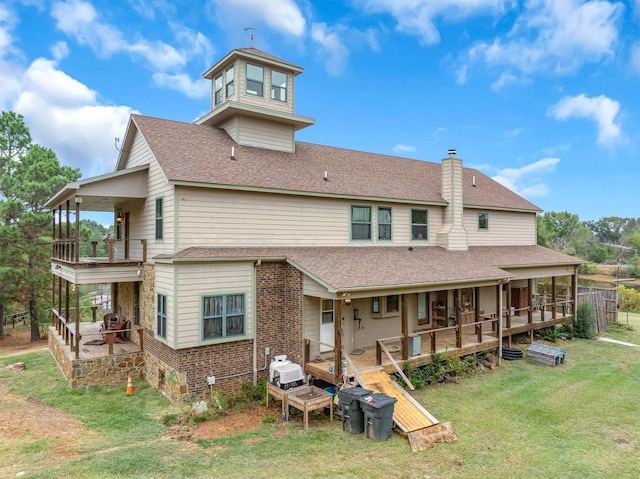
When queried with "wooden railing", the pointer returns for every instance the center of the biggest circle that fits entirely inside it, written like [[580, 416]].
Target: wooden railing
[[107, 250]]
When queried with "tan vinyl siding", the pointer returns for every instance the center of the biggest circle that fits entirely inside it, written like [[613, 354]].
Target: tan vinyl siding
[[505, 228], [140, 153], [373, 328], [311, 323], [233, 218], [527, 273], [261, 133], [231, 127], [313, 288], [195, 280]]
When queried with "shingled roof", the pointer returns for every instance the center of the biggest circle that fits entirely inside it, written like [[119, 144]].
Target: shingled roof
[[352, 268], [201, 154]]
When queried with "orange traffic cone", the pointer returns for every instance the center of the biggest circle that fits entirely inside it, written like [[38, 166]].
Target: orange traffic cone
[[129, 385]]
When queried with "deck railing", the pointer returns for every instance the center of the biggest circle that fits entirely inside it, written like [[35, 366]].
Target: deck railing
[[104, 250]]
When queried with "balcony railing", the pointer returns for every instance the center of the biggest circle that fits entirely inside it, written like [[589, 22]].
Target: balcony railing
[[103, 251]]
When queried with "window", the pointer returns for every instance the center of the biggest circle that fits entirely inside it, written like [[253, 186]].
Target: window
[[278, 86], [375, 305], [217, 90], [229, 82], [161, 316], [393, 303], [327, 311], [159, 218], [483, 221], [223, 316], [422, 308], [255, 80], [384, 223], [360, 222], [419, 225]]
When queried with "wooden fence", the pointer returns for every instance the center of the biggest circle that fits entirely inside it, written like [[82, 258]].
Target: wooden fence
[[604, 301]]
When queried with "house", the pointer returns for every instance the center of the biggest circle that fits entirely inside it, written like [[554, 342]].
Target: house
[[235, 243]]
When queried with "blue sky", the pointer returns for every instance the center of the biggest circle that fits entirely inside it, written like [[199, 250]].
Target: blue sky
[[542, 95]]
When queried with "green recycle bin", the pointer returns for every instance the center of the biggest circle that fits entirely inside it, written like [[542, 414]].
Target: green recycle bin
[[378, 415], [352, 416]]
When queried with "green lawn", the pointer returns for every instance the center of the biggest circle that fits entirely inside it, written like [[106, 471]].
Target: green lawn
[[577, 420]]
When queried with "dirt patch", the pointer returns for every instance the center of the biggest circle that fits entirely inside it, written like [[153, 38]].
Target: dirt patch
[[16, 342], [242, 421]]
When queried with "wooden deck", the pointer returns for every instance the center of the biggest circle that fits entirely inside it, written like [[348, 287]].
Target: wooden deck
[[90, 331]]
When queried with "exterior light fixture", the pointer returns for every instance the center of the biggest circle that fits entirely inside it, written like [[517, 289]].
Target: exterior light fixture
[[119, 216], [346, 301]]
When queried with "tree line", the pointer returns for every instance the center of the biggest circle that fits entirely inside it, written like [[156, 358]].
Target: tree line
[[30, 174]]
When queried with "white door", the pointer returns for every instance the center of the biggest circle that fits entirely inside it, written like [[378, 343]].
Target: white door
[[326, 325]]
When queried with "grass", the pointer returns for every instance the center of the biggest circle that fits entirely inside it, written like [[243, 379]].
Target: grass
[[577, 420]]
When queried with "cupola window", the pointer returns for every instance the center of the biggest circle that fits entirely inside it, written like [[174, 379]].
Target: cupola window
[[255, 80], [278, 86], [217, 87], [229, 82]]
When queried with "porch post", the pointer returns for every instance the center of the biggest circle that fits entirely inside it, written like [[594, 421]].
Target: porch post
[[77, 236], [337, 340], [508, 307], [499, 288], [553, 297], [405, 328], [574, 294], [77, 335], [530, 300], [69, 250]]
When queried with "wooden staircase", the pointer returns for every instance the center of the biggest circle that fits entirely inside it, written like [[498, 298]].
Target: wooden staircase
[[421, 429]]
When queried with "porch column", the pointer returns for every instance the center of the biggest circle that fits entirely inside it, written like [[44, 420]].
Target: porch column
[[69, 251], [553, 298], [530, 300], [77, 335], [77, 236], [574, 295], [405, 327], [337, 340]]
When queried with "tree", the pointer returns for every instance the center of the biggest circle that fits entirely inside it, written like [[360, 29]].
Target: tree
[[29, 175], [563, 232]]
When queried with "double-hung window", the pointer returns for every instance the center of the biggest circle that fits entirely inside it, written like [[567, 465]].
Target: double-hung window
[[229, 82], [419, 225], [223, 316], [360, 222], [278, 86], [384, 223], [159, 218], [255, 80], [161, 316], [217, 90], [483, 221]]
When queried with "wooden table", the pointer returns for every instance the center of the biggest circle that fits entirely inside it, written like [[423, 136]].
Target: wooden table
[[308, 398]]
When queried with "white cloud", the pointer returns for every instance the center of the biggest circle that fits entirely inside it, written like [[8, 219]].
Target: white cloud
[[181, 82], [417, 17], [601, 109], [401, 149], [506, 78], [54, 108], [329, 40], [59, 50], [283, 16], [555, 36], [527, 180], [80, 20]]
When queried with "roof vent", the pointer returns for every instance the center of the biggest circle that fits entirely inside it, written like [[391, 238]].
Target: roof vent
[[451, 152]]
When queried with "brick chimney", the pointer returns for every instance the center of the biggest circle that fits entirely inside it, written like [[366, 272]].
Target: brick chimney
[[452, 235]]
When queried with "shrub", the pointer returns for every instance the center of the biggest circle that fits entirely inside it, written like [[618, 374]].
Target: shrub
[[584, 324], [587, 268], [550, 334]]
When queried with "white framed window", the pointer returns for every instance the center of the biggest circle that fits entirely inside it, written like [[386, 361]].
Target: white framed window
[[360, 222], [393, 303], [483, 221], [161, 315], [217, 90], [278, 85], [255, 80], [422, 309], [223, 316], [375, 305], [419, 224], [159, 218], [384, 224], [229, 82]]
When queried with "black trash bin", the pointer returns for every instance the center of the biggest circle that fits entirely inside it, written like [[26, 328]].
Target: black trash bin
[[378, 415], [352, 417]]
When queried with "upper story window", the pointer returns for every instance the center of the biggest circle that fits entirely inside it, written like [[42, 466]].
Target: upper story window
[[419, 225], [360, 222], [278, 86], [161, 315], [384, 223], [217, 90], [255, 80], [159, 218], [483, 221], [223, 316], [229, 79]]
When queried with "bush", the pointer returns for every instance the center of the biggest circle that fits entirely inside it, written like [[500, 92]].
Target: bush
[[587, 268], [584, 324], [550, 334]]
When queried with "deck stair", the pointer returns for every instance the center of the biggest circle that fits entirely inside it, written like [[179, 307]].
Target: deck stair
[[421, 429]]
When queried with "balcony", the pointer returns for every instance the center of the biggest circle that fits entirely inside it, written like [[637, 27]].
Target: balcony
[[99, 261]]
